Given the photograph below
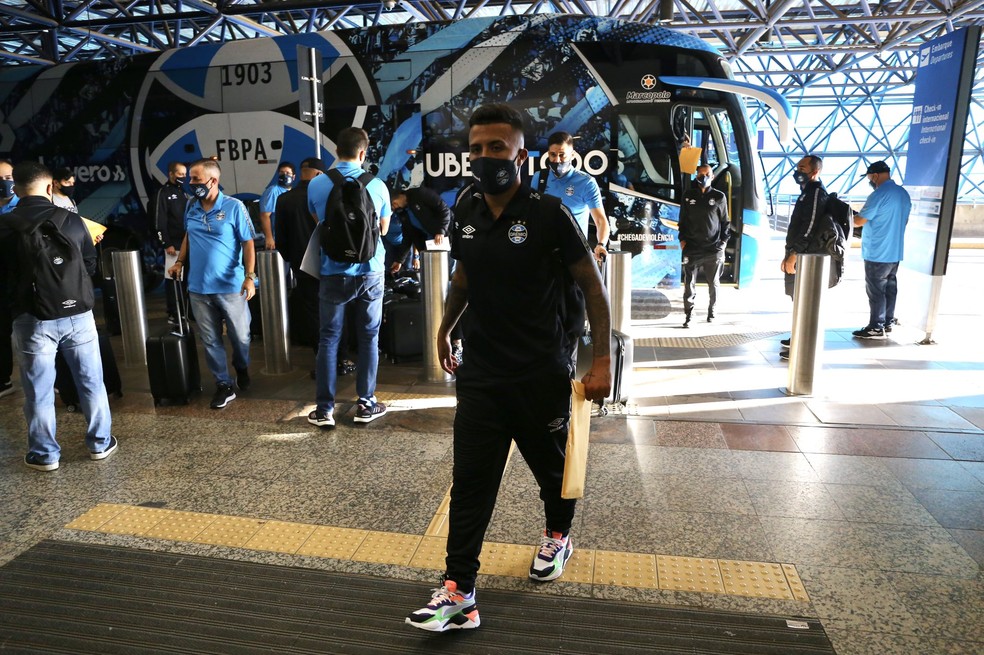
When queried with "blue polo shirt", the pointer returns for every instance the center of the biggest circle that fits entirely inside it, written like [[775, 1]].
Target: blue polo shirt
[[576, 189], [215, 244], [887, 211], [268, 202], [318, 191], [9, 207]]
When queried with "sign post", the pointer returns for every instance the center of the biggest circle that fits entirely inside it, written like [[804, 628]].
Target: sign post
[[944, 81], [309, 69]]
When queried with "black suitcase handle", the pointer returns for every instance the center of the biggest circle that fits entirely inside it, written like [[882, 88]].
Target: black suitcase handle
[[180, 305]]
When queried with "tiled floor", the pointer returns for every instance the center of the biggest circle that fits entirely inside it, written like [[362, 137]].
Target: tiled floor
[[872, 489]]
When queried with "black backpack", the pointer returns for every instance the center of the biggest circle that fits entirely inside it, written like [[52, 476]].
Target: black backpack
[[53, 280], [830, 235], [351, 228]]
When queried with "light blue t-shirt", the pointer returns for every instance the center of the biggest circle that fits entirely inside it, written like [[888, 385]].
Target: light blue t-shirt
[[215, 243], [576, 189], [887, 211], [318, 190]]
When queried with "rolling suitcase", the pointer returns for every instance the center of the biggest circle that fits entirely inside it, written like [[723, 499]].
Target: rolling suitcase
[[622, 358], [401, 334], [172, 361], [65, 383]]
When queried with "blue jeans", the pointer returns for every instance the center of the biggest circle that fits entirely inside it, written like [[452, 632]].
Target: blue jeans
[[882, 287], [210, 311], [336, 291], [37, 343]]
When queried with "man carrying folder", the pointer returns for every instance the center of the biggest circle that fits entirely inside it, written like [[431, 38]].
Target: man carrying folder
[[515, 383]]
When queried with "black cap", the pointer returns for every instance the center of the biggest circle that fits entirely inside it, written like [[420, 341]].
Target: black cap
[[315, 163], [878, 167]]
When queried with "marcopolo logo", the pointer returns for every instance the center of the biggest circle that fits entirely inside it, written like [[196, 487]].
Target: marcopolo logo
[[648, 95]]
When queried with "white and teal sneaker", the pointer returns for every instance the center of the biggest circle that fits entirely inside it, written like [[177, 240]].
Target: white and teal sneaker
[[449, 609], [555, 550]]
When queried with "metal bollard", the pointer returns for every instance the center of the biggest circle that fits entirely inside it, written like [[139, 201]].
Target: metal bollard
[[806, 338], [132, 309], [271, 270], [434, 265], [618, 279]]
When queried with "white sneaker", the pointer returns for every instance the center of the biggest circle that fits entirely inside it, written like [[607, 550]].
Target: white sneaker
[[448, 609], [555, 550]]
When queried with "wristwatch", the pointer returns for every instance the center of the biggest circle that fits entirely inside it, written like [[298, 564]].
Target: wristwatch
[[251, 276]]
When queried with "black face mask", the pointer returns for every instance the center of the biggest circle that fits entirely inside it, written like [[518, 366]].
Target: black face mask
[[200, 191], [285, 179], [67, 191], [180, 180], [494, 176], [800, 177], [6, 188]]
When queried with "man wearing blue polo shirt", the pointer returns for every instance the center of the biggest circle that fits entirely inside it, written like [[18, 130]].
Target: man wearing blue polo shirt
[[219, 240], [268, 203], [343, 283], [884, 216], [576, 189]]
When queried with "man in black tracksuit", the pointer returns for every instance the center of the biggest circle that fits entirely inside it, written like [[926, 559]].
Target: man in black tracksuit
[[167, 216], [704, 231], [294, 227], [424, 216], [514, 383], [809, 208]]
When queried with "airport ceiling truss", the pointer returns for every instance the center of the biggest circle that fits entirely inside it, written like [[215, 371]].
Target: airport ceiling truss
[[852, 59]]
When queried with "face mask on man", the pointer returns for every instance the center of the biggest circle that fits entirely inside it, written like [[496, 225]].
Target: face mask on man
[[6, 188], [200, 191], [800, 177], [494, 176], [285, 179], [559, 168], [67, 191]]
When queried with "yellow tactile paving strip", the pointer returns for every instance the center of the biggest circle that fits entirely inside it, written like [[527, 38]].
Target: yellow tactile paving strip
[[601, 567]]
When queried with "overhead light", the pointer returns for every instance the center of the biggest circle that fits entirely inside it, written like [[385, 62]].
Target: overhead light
[[390, 5]]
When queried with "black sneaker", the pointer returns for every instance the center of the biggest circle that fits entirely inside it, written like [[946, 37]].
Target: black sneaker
[[6, 388], [869, 333], [710, 315], [785, 343], [242, 379], [32, 462], [368, 413], [784, 355], [223, 396], [321, 420], [888, 327], [686, 321], [109, 450], [345, 366]]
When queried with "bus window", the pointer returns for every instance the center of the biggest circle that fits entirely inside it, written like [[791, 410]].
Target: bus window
[[649, 150]]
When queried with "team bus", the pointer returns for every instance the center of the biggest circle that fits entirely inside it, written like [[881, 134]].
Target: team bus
[[630, 94]]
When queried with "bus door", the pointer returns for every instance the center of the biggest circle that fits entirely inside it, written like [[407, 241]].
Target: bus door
[[645, 190]]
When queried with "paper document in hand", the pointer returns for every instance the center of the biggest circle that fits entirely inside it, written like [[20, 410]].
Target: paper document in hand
[[433, 245], [95, 229], [576, 462], [168, 263]]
